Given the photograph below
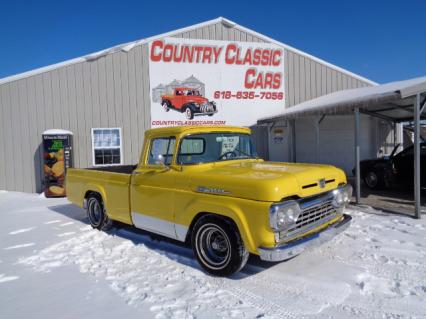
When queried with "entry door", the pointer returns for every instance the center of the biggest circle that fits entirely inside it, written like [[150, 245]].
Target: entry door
[[153, 190]]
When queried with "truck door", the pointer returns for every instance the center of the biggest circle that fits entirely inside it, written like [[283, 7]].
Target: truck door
[[178, 99], [152, 190]]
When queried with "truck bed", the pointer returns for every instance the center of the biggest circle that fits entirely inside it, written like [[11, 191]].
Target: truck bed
[[111, 182]]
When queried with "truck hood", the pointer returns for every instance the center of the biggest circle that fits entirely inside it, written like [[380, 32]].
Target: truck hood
[[196, 99], [266, 181]]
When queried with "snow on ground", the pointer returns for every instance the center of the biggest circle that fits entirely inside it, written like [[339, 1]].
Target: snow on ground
[[53, 264]]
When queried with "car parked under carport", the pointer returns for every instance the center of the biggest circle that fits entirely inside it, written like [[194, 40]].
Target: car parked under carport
[[397, 169]]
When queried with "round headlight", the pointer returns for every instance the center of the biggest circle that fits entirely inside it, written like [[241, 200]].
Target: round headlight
[[284, 214], [346, 198], [281, 220], [338, 199]]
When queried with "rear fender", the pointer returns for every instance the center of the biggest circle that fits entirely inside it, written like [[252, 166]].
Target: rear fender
[[92, 188]]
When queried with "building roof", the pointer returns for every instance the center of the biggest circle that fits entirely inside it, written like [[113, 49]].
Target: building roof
[[126, 47], [392, 100], [192, 79]]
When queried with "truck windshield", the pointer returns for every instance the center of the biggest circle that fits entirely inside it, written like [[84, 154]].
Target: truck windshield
[[213, 147]]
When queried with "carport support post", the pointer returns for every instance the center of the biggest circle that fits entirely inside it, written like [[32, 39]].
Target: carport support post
[[357, 159], [417, 212]]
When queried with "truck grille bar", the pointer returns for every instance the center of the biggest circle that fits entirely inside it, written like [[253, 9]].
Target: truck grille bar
[[315, 211]]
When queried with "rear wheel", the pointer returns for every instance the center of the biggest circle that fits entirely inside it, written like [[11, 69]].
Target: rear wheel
[[218, 246], [98, 217], [166, 106]]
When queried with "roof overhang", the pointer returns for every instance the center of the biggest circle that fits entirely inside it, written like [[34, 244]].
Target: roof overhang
[[392, 101]]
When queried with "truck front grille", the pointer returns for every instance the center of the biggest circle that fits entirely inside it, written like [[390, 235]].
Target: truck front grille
[[312, 216]]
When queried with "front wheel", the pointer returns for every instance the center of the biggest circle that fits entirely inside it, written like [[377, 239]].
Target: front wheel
[[189, 113], [373, 180], [218, 246]]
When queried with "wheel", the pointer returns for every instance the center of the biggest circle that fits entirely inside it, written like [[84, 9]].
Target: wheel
[[189, 113], [96, 212], [373, 180], [218, 246], [166, 106], [214, 108]]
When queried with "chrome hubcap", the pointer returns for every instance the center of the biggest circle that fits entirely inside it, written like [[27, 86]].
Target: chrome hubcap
[[95, 212], [188, 114], [213, 246]]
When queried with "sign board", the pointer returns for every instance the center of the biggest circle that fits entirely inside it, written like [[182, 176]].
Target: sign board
[[278, 135], [220, 82]]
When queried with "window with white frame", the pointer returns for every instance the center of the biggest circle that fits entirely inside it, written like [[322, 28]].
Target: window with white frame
[[106, 144]]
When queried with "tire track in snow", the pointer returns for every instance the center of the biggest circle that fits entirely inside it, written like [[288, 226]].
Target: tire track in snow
[[4, 278], [19, 246], [23, 230]]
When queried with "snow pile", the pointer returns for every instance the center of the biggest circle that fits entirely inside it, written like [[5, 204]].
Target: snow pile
[[139, 274], [375, 269]]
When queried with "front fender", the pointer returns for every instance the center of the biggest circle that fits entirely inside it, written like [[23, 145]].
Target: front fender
[[251, 217]]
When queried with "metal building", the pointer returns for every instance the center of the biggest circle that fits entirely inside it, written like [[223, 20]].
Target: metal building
[[110, 90]]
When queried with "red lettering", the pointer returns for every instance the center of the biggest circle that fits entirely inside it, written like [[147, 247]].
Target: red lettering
[[216, 53], [207, 56], [277, 81], [248, 81], [156, 45], [230, 53], [167, 53], [267, 83], [276, 59]]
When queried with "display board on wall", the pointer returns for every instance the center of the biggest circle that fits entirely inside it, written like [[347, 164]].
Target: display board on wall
[[205, 82]]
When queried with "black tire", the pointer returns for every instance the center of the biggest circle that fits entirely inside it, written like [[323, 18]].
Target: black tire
[[374, 180], [214, 108], [189, 113], [166, 105], [218, 246], [98, 217]]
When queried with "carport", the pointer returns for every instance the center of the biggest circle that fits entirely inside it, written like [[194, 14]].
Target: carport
[[396, 102]]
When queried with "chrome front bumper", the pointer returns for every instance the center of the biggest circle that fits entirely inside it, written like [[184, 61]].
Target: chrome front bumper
[[205, 113], [294, 248]]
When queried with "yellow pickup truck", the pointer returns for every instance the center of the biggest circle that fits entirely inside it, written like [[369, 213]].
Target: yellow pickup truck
[[206, 186]]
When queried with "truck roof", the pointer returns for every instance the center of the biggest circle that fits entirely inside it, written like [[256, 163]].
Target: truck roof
[[177, 130]]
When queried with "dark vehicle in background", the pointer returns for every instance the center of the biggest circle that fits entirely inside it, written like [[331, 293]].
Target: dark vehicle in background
[[395, 169]]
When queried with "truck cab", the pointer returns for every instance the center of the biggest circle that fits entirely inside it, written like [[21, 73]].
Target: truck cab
[[206, 186]]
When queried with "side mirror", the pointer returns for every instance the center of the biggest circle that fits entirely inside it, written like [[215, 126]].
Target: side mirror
[[160, 160]]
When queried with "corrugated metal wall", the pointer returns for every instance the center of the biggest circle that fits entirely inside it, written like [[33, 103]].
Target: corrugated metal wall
[[113, 91]]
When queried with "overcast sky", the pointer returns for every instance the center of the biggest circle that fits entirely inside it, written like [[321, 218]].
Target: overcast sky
[[381, 40]]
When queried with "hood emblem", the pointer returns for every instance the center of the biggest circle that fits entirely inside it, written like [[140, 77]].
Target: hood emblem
[[321, 182], [209, 190]]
